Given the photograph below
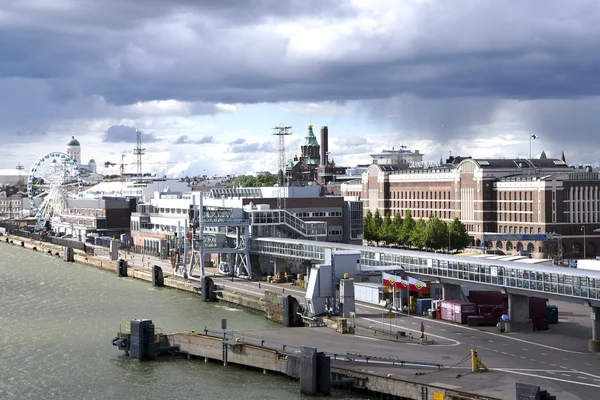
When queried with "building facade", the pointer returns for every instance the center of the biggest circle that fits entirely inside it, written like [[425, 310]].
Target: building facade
[[11, 205], [494, 196], [106, 216]]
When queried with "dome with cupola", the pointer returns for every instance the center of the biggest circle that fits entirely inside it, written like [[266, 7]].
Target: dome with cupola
[[73, 142]]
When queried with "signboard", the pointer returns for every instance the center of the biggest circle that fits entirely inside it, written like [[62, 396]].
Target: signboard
[[438, 396], [526, 391], [423, 164], [390, 314]]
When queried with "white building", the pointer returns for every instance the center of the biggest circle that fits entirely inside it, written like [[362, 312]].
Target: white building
[[89, 170], [395, 157]]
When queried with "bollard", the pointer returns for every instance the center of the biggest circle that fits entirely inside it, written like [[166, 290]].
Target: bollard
[[259, 285], [282, 290]]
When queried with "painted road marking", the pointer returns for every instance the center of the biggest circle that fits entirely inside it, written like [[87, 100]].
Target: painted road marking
[[554, 365], [588, 364], [522, 357], [582, 377], [504, 352], [550, 372], [547, 377], [514, 355], [544, 354], [565, 375], [564, 367], [455, 342], [524, 349], [543, 362], [503, 336], [532, 359]]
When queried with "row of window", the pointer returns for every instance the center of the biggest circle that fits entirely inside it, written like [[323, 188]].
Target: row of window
[[318, 214], [335, 233], [88, 211]]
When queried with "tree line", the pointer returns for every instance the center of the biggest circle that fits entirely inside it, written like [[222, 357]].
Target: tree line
[[434, 234]]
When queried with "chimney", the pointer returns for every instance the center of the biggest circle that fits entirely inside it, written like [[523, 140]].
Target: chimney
[[324, 145]]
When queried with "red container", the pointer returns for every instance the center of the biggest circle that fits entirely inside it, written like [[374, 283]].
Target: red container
[[486, 297], [457, 310]]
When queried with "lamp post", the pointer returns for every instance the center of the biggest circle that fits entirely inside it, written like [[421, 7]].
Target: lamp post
[[584, 253], [448, 239]]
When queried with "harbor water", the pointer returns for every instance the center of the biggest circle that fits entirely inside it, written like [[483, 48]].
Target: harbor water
[[57, 320]]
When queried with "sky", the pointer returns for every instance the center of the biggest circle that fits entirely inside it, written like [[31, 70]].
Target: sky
[[206, 81]]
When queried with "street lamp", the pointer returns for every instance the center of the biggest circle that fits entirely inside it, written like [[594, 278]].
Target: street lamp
[[583, 229]]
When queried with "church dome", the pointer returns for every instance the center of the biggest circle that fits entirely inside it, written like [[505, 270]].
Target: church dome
[[73, 141], [92, 161]]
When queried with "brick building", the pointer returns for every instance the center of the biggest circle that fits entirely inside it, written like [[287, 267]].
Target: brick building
[[493, 196]]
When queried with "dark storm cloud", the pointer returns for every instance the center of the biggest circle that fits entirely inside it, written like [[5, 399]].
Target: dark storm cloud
[[126, 134], [440, 68], [186, 140]]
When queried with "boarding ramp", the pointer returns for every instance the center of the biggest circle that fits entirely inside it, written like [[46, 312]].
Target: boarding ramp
[[547, 281]]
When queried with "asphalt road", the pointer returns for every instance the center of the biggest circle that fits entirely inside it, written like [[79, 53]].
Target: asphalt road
[[548, 360]]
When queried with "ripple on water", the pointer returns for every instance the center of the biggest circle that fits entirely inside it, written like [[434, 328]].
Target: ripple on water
[[58, 318]]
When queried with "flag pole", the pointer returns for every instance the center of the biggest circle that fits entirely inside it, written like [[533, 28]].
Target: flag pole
[[530, 145]]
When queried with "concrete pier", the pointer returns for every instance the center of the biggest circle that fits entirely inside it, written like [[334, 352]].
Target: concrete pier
[[518, 314], [594, 342], [451, 291]]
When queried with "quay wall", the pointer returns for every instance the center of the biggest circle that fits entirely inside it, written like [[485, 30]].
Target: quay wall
[[244, 300]]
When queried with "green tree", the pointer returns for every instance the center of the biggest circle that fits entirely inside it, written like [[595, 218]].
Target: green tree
[[386, 231], [459, 237], [396, 226], [417, 236], [408, 224], [436, 234], [375, 224], [367, 224], [262, 180]]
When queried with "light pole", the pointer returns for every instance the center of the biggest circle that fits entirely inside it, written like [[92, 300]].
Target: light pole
[[583, 229], [448, 239]]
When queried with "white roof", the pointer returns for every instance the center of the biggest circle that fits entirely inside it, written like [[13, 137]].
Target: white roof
[[13, 172]]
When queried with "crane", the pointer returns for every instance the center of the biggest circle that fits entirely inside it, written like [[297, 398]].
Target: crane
[[122, 165]]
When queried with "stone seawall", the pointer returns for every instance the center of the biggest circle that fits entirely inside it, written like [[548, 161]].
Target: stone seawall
[[243, 300]]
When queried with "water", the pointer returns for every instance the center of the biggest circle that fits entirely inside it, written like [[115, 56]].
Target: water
[[57, 320]]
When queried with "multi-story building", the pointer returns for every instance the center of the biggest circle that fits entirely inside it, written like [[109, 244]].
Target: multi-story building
[[11, 205], [494, 196], [106, 216]]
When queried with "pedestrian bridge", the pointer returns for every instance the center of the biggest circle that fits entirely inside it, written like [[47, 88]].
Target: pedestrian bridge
[[568, 284]]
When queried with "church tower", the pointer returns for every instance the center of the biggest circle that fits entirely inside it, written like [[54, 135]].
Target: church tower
[[310, 149]]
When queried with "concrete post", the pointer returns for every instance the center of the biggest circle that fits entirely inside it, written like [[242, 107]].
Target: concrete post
[[518, 314], [451, 291], [594, 342]]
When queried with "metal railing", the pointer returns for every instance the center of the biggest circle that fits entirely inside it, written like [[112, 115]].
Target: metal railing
[[283, 217], [530, 279]]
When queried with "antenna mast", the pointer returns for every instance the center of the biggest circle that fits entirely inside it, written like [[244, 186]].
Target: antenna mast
[[139, 152], [281, 131], [20, 168]]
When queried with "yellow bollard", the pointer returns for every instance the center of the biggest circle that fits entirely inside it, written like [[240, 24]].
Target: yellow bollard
[[474, 365], [390, 375]]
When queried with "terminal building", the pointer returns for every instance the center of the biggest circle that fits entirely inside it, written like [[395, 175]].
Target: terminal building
[[499, 200], [307, 215]]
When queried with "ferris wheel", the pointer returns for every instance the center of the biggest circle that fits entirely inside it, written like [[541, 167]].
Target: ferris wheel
[[54, 178]]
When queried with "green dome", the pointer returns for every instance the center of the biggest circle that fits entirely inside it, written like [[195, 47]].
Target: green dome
[[73, 141]]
